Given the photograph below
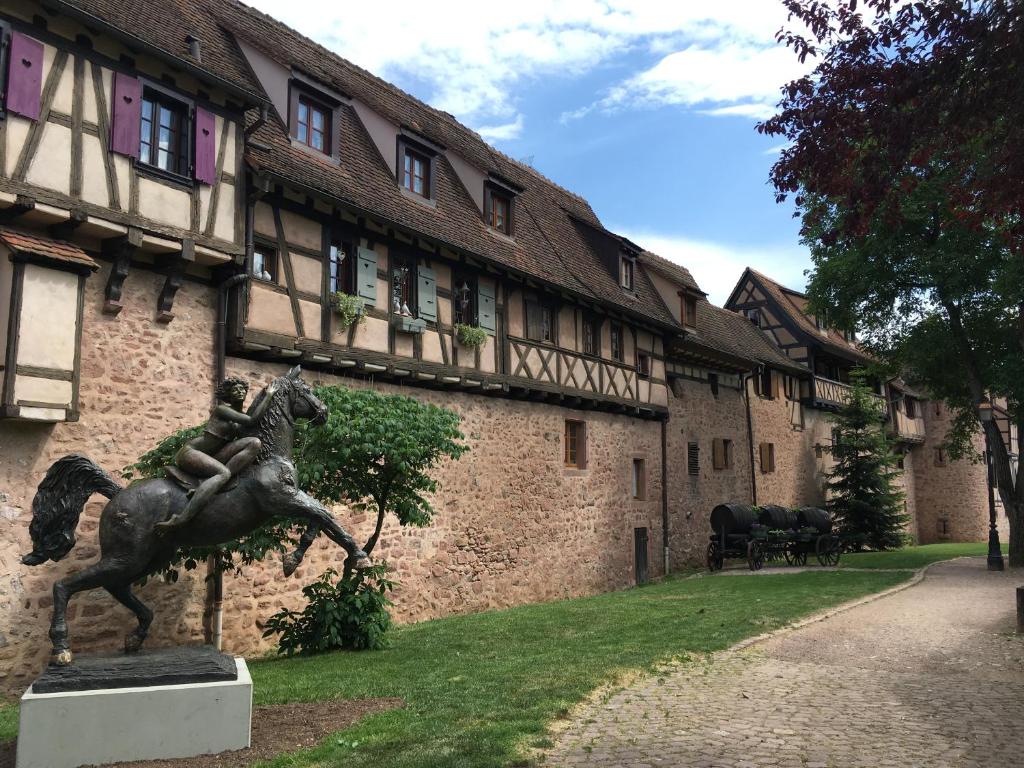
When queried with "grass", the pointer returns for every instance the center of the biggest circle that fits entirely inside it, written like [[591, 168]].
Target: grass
[[481, 690], [913, 557]]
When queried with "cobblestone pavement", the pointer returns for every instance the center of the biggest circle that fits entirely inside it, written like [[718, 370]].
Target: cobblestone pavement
[[931, 676]]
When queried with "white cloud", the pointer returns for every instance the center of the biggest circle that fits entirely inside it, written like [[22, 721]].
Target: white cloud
[[716, 266], [474, 63], [502, 132]]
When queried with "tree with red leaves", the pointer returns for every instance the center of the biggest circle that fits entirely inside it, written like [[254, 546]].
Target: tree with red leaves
[[906, 165]]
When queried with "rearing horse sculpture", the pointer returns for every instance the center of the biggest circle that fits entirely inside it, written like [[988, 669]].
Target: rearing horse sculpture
[[130, 545]]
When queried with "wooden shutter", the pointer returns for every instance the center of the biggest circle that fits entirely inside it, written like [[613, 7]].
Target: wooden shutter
[[426, 292], [776, 384], [718, 453], [581, 445], [485, 306], [25, 76], [127, 115], [763, 450], [206, 147], [366, 276]]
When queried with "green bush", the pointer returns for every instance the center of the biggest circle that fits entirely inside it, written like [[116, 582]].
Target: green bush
[[348, 614], [470, 335]]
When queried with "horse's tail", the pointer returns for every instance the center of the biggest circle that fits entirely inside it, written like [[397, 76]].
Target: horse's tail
[[58, 504]]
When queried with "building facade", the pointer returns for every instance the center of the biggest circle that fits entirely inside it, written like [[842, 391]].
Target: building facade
[[193, 191]]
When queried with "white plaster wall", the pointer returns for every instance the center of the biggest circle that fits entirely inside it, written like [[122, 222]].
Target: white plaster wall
[[49, 318]]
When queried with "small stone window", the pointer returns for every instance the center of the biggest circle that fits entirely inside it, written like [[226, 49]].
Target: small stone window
[[264, 263], [639, 485], [693, 458], [940, 457], [767, 451], [722, 453], [575, 444]]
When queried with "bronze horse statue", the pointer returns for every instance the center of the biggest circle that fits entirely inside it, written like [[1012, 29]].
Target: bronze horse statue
[[132, 548]]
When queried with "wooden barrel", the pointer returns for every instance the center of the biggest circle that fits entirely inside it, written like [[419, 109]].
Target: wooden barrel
[[814, 517], [732, 519], [777, 518]]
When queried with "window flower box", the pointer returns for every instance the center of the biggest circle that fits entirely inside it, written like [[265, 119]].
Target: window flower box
[[408, 324], [351, 310]]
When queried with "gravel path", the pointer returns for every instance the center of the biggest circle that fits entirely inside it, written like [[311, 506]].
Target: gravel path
[[931, 676]]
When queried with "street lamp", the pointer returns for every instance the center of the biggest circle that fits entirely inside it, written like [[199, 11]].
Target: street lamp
[[995, 553]]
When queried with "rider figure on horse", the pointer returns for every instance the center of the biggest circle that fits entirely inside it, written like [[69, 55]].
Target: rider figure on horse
[[219, 453]]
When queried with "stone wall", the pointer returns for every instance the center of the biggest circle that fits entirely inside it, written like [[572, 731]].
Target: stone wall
[[512, 524], [696, 416], [140, 381]]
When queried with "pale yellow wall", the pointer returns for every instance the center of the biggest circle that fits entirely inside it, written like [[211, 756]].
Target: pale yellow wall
[[49, 318], [298, 230], [372, 334], [164, 203], [38, 390], [308, 273], [270, 310], [432, 347], [51, 166], [310, 313]]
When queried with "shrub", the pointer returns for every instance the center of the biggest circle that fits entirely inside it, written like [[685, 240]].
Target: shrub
[[470, 335], [351, 310], [348, 614]]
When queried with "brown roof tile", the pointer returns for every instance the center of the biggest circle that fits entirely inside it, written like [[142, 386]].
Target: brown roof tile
[[53, 250]]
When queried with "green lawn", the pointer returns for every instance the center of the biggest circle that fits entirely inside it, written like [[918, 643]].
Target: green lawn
[[913, 557]]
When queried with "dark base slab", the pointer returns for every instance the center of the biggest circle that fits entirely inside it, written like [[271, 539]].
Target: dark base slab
[[164, 666]]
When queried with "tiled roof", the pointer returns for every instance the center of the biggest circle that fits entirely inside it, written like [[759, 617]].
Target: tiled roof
[[546, 245], [166, 25], [669, 269], [732, 333], [794, 304], [53, 250]]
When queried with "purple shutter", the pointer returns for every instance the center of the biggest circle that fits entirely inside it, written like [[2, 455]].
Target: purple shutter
[[26, 76], [127, 117], [206, 149]]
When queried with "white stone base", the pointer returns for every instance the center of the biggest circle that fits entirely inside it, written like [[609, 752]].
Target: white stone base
[[67, 730]]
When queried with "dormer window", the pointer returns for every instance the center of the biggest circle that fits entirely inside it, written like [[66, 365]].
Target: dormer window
[[626, 272], [311, 124], [754, 316], [415, 172], [689, 311], [311, 120]]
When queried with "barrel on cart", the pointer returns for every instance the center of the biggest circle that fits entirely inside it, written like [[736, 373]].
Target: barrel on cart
[[771, 532], [827, 546], [731, 524]]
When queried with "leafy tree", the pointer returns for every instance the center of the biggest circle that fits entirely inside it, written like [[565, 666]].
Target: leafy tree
[[863, 499], [906, 169]]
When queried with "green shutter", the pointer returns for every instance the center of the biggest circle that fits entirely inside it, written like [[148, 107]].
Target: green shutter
[[426, 292], [366, 276], [485, 306]]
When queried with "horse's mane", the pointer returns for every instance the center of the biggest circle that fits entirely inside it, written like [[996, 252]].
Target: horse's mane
[[266, 427]]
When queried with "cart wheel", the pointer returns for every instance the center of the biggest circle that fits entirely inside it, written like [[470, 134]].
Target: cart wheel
[[715, 559], [755, 555], [828, 549], [796, 555]]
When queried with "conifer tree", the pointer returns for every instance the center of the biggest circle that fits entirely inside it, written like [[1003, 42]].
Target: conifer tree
[[863, 499]]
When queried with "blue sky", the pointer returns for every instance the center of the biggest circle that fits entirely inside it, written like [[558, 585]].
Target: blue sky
[[645, 108]]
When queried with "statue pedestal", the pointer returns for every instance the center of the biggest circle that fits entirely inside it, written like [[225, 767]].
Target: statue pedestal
[[180, 702]]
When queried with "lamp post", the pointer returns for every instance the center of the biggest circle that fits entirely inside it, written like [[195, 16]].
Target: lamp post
[[995, 553]]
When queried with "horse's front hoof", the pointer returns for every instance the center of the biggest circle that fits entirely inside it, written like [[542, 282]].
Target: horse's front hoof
[[290, 562], [133, 642], [61, 657]]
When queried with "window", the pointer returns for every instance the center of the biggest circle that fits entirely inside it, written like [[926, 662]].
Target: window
[[789, 383], [264, 263], [690, 311], [639, 486], [539, 320], [164, 135], [312, 125], [591, 336], [940, 457], [763, 383], [910, 406], [498, 210], [643, 364], [616, 339], [721, 453], [341, 266], [626, 273], [713, 383], [464, 299], [900, 462], [693, 458], [575, 444], [754, 316], [403, 286], [415, 172], [767, 451]]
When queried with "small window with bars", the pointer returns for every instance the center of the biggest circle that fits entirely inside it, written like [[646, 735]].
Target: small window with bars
[[693, 459]]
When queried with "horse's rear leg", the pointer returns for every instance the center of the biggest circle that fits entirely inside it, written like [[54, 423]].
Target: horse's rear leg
[[99, 574], [124, 595]]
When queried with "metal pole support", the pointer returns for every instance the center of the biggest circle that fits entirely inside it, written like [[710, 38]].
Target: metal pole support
[[1020, 610]]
